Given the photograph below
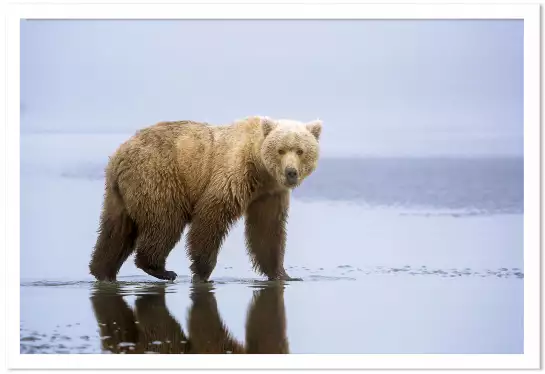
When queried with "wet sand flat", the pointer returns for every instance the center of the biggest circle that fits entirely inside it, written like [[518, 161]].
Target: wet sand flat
[[396, 256], [402, 311]]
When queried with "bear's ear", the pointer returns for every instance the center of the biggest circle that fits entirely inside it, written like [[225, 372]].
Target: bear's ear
[[315, 128], [267, 125]]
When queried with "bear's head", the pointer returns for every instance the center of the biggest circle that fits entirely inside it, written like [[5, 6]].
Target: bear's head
[[290, 149]]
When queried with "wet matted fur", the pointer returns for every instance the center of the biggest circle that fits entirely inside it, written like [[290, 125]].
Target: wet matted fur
[[177, 174]]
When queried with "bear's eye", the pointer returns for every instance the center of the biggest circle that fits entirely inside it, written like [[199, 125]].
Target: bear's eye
[[299, 152], [281, 151]]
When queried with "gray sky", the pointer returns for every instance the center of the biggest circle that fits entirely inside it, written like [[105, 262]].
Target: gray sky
[[382, 86]]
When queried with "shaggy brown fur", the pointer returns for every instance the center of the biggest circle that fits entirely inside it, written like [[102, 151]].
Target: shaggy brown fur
[[177, 173], [151, 328]]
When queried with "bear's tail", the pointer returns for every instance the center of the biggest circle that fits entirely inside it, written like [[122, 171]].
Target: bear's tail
[[116, 236]]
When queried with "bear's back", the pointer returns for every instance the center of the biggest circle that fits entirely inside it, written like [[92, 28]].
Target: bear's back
[[174, 157]]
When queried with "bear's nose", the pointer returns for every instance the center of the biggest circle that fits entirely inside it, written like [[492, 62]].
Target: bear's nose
[[291, 175]]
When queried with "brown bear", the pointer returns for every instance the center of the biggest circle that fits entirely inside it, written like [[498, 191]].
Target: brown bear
[[174, 174]]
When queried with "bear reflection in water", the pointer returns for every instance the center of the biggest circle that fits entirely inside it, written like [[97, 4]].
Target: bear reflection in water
[[150, 328]]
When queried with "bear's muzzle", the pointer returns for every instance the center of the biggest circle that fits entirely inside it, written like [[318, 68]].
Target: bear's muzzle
[[291, 175]]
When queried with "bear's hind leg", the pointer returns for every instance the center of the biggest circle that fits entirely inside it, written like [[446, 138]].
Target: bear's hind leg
[[153, 248], [116, 238]]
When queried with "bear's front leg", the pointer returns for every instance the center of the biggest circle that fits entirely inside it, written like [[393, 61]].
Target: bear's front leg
[[265, 231], [208, 229]]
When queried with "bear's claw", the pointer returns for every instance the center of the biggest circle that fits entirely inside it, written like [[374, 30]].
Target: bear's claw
[[164, 275], [293, 279], [170, 275], [285, 277]]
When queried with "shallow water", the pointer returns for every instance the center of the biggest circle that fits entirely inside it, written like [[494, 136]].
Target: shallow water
[[373, 311], [396, 256]]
